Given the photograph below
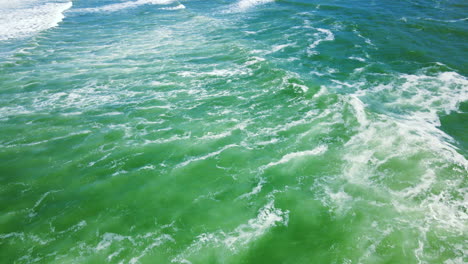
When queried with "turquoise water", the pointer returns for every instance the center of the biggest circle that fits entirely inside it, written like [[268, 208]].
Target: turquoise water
[[250, 131]]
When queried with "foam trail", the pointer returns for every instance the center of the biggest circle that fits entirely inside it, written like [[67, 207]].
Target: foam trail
[[212, 154], [268, 217], [329, 36], [130, 4], [288, 157], [23, 19]]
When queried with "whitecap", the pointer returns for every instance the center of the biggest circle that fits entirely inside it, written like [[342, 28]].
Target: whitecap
[[181, 6], [357, 58], [244, 5]]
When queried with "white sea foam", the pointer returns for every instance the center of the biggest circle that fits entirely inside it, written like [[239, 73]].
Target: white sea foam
[[339, 201], [366, 40], [142, 243], [445, 20], [128, 4], [357, 58], [290, 156], [114, 254], [178, 7], [109, 238], [277, 48], [168, 140], [306, 119], [21, 19], [254, 60], [16, 3], [216, 72], [21, 237], [48, 140], [407, 128], [209, 155], [255, 190], [359, 111], [268, 217], [88, 96], [156, 242], [73, 228], [90, 164], [321, 36], [244, 5], [32, 211], [323, 90]]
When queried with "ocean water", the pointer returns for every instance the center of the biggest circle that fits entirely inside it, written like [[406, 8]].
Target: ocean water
[[242, 131]]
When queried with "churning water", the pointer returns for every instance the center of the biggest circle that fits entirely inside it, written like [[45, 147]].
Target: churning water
[[250, 131]]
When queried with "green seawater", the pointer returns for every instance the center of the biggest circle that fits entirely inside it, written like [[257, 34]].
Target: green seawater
[[243, 131]]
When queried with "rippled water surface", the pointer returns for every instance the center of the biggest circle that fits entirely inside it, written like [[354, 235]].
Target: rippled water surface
[[243, 131]]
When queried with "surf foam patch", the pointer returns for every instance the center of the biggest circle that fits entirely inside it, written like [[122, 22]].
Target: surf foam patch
[[403, 162], [24, 20]]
